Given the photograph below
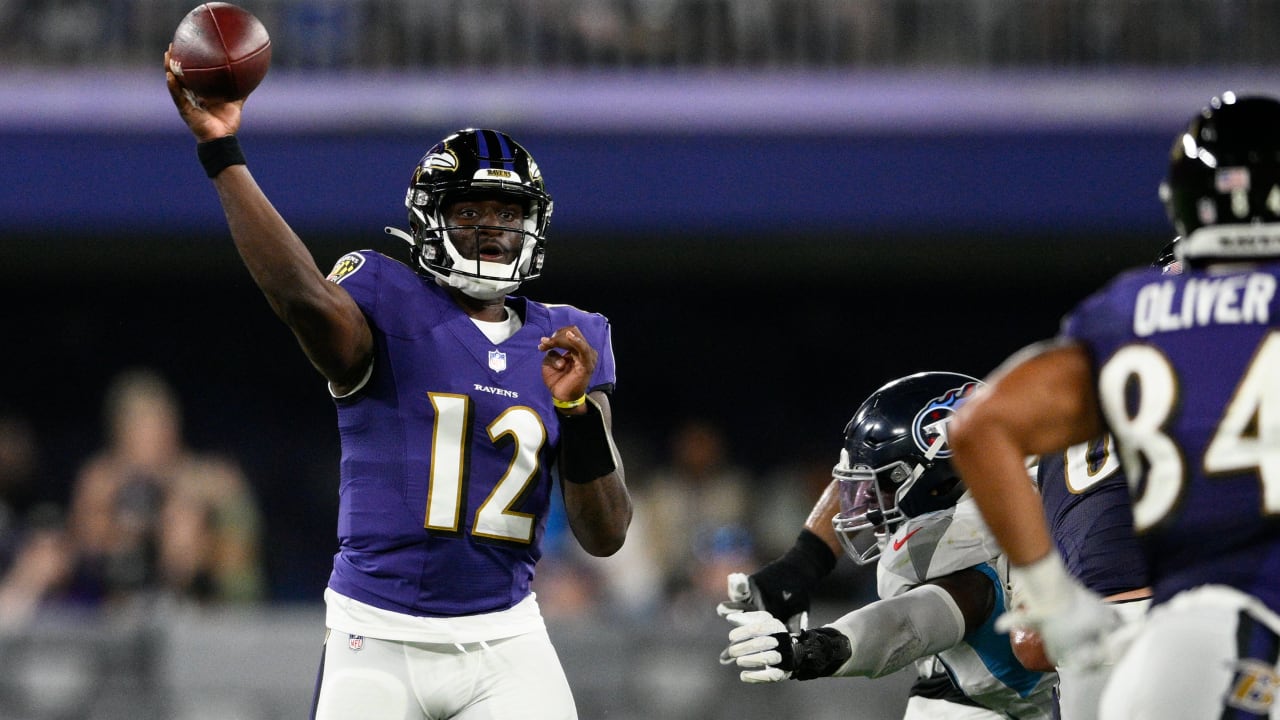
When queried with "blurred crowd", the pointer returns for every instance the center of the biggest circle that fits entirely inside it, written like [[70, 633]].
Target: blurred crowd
[[699, 515], [540, 35], [150, 522]]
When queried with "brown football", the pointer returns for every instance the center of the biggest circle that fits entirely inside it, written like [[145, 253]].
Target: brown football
[[220, 51]]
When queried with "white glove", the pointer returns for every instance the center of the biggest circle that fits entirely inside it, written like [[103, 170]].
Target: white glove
[[742, 599], [739, 601], [739, 596], [753, 645], [1074, 623]]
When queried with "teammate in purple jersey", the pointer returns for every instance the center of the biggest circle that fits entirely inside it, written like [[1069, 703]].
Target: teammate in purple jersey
[[455, 401], [1086, 501], [1184, 371]]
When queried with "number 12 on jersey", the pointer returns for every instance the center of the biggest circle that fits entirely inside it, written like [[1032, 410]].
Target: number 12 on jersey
[[495, 517]]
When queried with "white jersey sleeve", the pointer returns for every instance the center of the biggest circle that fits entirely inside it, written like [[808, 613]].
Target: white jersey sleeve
[[982, 664], [933, 545]]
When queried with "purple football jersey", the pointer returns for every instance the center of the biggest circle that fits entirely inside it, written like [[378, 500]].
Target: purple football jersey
[[1188, 377], [1086, 499], [447, 450]]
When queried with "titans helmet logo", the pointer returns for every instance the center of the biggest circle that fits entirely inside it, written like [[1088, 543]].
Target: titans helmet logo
[[930, 424]]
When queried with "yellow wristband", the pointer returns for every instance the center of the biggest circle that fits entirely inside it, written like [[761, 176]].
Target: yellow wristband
[[569, 404]]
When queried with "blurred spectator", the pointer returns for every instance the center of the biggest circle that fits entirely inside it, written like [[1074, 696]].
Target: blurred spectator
[[568, 586], [33, 553], [625, 586], [695, 515], [151, 518]]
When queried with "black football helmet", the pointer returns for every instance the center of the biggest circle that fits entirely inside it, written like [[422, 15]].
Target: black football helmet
[[475, 162], [895, 463], [1222, 192]]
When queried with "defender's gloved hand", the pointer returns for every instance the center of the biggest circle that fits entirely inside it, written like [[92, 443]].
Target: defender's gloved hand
[[768, 653], [783, 587], [1074, 623]]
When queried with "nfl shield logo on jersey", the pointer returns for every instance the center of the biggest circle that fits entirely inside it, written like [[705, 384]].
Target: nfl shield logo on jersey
[[497, 360], [355, 642]]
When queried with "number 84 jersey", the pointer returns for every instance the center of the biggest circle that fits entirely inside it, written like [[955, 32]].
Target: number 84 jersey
[[1188, 378]]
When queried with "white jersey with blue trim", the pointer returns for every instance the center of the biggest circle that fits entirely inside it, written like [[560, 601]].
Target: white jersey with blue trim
[[982, 665]]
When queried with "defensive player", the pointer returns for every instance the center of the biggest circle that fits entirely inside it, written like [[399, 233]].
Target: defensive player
[[941, 579], [1184, 371], [454, 400]]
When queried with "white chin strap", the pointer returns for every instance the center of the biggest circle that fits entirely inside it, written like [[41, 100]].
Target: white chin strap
[[497, 279], [486, 288], [939, 427], [478, 288]]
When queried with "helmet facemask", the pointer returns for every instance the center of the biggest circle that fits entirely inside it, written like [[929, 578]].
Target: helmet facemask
[[869, 504], [438, 246], [860, 525]]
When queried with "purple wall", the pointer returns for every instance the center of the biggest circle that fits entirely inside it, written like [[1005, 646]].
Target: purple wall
[[865, 155]]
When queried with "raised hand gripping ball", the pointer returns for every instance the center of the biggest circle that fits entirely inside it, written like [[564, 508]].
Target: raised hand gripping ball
[[220, 52]]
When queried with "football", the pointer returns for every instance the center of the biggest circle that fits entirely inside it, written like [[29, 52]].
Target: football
[[220, 52]]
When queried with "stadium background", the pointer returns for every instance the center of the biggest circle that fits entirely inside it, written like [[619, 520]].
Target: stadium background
[[779, 204]]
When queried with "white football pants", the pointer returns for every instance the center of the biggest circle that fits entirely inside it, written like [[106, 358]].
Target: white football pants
[[516, 677], [1209, 653], [1079, 690]]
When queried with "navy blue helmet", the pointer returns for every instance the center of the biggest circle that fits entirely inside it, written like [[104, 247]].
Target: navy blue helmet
[[896, 463]]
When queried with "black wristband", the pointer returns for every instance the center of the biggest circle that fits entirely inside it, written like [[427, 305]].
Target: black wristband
[[813, 553], [220, 154], [782, 587], [586, 448]]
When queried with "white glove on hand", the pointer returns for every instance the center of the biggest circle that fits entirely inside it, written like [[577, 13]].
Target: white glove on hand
[[739, 596], [742, 598], [753, 645], [1074, 623], [739, 601]]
